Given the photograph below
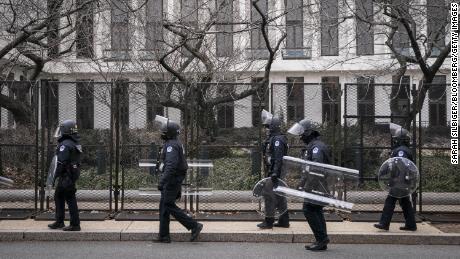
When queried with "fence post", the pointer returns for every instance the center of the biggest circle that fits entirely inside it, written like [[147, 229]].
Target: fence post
[[35, 101], [420, 160], [256, 161], [154, 156], [116, 191]]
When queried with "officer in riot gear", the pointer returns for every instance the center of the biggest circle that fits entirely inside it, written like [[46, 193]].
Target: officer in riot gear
[[273, 150], [173, 171], [68, 154], [400, 143], [315, 151]]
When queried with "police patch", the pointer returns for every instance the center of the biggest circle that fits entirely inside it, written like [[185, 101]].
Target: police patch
[[62, 148], [169, 149], [315, 150], [401, 153], [277, 143]]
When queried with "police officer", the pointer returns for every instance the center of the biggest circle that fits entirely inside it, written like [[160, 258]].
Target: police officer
[[174, 168], [315, 151], [67, 172], [400, 142], [273, 150]]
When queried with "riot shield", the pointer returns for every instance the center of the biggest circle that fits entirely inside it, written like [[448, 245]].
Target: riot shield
[[399, 176], [51, 175], [317, 183], [6, 182], [267, 202], [198, 180]]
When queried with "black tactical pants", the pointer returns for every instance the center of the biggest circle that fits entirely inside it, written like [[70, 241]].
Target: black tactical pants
[[315, 218], [61, 196], [389, 208], [168, 207], [275, 202]]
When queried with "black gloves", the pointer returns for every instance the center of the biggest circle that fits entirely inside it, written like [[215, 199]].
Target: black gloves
[[274, 178], [160, 187]]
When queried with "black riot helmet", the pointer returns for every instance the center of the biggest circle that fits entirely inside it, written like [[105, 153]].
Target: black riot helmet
[[306, 129], [399, 135], [271, 122], [169, 129], [66, 128]]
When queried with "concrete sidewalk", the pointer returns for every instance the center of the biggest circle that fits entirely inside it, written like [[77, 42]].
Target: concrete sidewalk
[[225, 231]]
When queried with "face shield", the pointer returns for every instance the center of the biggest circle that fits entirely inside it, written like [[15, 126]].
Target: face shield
[[397, 131], [296, 129], [266, 117], [57, 132], [161, 122]]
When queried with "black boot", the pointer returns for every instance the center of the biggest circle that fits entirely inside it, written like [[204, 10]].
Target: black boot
[[72, 228], [266, 224], [56, 225], [318, 246], [165, 239], [196, 231], [283, 221], [406, 228], [380, 226]]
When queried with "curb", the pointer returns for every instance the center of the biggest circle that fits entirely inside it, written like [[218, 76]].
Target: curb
[[252, 237]]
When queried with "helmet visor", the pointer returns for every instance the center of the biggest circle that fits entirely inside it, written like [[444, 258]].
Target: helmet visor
[[57, 132], [266, 117], [161, 122], [296, 129]]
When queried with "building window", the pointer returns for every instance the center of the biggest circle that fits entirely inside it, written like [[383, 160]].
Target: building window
[[153, 106], [437, 102], [85, 30], [224, 39], [366, 99], [123, 86], [329, 28], [436, 22], [331, 99], [295, 100], [189, 14], [85, 104], [259, 100], [54, 12], [294, 24], [400, 97], [364, 30], [225, 111], [257, 39], [120, 25], [400, 39], [154, 25], [50, 103]]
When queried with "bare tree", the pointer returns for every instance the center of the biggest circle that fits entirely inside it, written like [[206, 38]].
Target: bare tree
[[408, 44], [33, 33]]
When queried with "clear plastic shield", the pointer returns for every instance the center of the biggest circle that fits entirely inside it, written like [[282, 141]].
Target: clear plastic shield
[[399, 176], [198, 180], [51, 174], [267, 202], [6, 182], [318, 183], [266, 117], [296, 129]]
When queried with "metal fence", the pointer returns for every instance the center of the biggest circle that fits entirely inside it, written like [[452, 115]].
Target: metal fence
[[115, 122]]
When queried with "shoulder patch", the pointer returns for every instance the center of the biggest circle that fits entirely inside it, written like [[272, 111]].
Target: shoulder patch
[[169, 149], [277, 143], [401, 153], [315, 150], [62, 148]]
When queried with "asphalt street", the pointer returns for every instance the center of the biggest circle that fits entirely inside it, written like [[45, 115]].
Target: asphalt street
[[112, 250]]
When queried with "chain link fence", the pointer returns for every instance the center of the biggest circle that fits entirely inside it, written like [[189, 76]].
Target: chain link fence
[[19, 157], [115, 121]]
